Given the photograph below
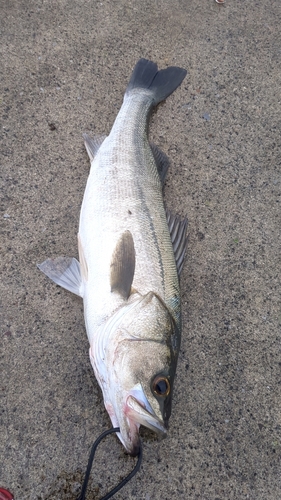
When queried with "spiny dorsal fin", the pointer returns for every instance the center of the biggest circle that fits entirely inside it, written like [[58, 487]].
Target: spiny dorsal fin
[[93, 144], [122, 267], [161, 160], [178, 227]]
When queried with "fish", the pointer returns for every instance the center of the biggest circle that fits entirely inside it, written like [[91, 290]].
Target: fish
[[131, 252]]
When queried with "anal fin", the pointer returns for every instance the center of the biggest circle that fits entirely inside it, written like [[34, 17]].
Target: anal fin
[[93, 144]]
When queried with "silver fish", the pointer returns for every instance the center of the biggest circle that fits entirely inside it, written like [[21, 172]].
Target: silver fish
[[131, 252]]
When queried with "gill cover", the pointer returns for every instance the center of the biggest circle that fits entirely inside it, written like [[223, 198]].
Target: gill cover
[[138, 345]]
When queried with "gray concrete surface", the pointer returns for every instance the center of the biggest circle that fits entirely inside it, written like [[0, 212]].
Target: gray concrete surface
[[65, 65]]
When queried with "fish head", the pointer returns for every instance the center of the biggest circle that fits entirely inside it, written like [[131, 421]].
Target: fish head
[[141, 362]]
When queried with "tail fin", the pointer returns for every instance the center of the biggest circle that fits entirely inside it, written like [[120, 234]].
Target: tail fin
[[162, 83]]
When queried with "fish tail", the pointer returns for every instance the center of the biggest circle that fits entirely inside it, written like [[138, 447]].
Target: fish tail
[[162, 83]]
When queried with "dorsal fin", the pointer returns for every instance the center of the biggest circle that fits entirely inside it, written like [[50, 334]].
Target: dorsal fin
[[122, 267], [93, 144], [161, 160], [178, 227]]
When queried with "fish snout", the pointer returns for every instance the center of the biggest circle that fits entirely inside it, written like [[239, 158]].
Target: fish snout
[[141, 414], [135, 415]]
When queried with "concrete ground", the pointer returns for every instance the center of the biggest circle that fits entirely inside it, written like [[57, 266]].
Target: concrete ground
[[65, 65]]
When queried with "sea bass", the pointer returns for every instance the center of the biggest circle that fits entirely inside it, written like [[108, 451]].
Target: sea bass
[[131, 252]]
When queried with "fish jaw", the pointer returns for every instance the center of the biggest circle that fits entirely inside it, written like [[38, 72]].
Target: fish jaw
[[127, 409], [134, 413], [129, 431], [129, 350]]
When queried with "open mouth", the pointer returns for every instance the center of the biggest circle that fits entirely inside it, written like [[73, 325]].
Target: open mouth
[[137, 412]]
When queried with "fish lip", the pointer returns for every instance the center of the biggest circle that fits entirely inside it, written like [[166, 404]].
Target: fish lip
[[130, 438], [135, 448], [137, 412]]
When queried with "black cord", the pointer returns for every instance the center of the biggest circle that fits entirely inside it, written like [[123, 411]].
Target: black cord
[[90, 463]]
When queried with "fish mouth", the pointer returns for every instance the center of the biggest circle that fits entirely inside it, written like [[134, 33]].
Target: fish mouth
[[135, 411], [140, 415]]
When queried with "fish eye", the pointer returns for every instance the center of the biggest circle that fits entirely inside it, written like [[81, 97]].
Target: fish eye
[[161, 386]]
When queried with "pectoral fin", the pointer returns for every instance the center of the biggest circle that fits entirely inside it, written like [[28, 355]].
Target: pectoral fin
[[64, 271], [122, 266], [178, 227]]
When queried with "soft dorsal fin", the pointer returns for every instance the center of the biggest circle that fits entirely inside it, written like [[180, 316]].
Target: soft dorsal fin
[[64, 271], [161, 160], [93, 144], [178, 227], [122, 267]]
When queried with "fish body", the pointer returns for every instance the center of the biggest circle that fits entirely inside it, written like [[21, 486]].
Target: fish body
[[130, 258]]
